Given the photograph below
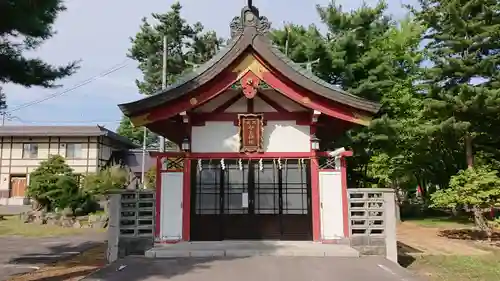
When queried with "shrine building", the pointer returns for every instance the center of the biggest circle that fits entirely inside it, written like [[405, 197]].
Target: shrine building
[[251, 124]]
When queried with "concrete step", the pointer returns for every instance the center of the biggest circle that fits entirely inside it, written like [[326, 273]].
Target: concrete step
[[251, 248]]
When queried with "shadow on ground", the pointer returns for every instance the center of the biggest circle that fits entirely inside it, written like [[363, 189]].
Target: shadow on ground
[[137, 268], [406, 254], [55, 253], [20, 255]]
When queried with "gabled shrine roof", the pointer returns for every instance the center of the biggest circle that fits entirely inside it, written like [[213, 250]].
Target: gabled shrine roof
[[248, 31]]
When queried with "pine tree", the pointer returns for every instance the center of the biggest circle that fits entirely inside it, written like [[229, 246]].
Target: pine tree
[[358, 65], [187, 46], [463, 84], [24, 26]]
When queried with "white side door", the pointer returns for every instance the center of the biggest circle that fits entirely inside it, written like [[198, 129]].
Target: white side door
[[330, 184], [171, 205]]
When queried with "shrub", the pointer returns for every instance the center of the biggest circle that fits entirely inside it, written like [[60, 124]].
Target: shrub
[[476, 188], [106, 180], [54, 185], [150, 178]]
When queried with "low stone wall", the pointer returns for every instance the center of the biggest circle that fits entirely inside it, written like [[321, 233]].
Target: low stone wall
[[64, 220], [372, 220]]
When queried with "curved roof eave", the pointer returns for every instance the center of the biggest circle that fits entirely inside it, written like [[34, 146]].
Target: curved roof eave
[[186, 82], [309, 80]]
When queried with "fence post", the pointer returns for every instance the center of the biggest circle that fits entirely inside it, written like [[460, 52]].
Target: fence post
[[390, 227], [113, 227], [131, 223]]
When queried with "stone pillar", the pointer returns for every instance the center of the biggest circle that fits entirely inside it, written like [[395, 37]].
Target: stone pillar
[[390, 227], [113, 227]]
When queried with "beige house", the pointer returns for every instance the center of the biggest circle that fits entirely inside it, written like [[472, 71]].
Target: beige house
[[22, 148]]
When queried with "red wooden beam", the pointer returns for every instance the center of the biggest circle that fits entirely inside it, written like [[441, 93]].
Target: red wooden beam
[[203, 95], [307, 98]]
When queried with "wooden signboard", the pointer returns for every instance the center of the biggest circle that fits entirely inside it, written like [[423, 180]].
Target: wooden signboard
[[251, 132]]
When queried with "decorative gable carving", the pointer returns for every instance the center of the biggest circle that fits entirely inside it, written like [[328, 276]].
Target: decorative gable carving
[[249, 18]]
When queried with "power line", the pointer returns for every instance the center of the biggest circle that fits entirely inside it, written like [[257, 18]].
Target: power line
[[81, 84]]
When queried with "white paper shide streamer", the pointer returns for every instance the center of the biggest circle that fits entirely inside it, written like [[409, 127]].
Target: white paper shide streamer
[[200, 167], [222, 164], [261, 165]]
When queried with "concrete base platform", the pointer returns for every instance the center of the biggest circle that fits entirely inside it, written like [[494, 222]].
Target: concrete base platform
[[251, 248]]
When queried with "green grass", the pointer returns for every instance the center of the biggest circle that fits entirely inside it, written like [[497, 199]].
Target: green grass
[[12, 226], [458, 268], [440, 222]]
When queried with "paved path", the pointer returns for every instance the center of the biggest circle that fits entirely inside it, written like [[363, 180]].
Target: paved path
[[259, 268], [21, 254]]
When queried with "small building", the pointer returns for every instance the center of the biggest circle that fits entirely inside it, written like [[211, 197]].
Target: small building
[[22, 148], [252, 125]]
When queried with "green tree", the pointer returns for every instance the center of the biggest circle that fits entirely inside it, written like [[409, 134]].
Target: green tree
[[358, 64], [477, 188], [136, 135], [53, 184], [187, 46], [371, 56], [463, 84], [24, 26], [106, 180]]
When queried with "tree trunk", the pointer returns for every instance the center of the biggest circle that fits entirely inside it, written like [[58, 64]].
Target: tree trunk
[[481, 222], [468, 151]]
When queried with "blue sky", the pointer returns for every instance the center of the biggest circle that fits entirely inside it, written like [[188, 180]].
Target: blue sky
[[97, 32]]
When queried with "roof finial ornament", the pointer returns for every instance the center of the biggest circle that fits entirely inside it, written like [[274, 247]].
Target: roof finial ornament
[[249, 18]]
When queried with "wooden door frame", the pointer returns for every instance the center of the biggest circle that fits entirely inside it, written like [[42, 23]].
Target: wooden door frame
[[23, 176]]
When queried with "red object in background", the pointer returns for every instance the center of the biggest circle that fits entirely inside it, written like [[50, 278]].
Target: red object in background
[[419, 190]]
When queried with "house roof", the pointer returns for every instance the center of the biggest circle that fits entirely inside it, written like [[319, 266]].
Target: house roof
[[248, 31], [63, 131]]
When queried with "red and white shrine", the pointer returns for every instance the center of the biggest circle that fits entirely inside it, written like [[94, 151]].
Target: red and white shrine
[[251, 124]]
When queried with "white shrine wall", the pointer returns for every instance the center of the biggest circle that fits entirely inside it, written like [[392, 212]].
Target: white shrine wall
[[279, 136], [223, 137]]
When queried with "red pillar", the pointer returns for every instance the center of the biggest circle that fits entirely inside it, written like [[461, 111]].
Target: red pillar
[[316, 215], [186, 200], [158, 196]]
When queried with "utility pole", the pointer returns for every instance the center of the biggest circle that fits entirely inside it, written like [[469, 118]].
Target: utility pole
[[162, 139], [143, 165], [164, 83], [287, 32]]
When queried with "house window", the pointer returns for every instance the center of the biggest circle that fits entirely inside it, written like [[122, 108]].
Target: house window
[[74, 150], [30, 150]]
